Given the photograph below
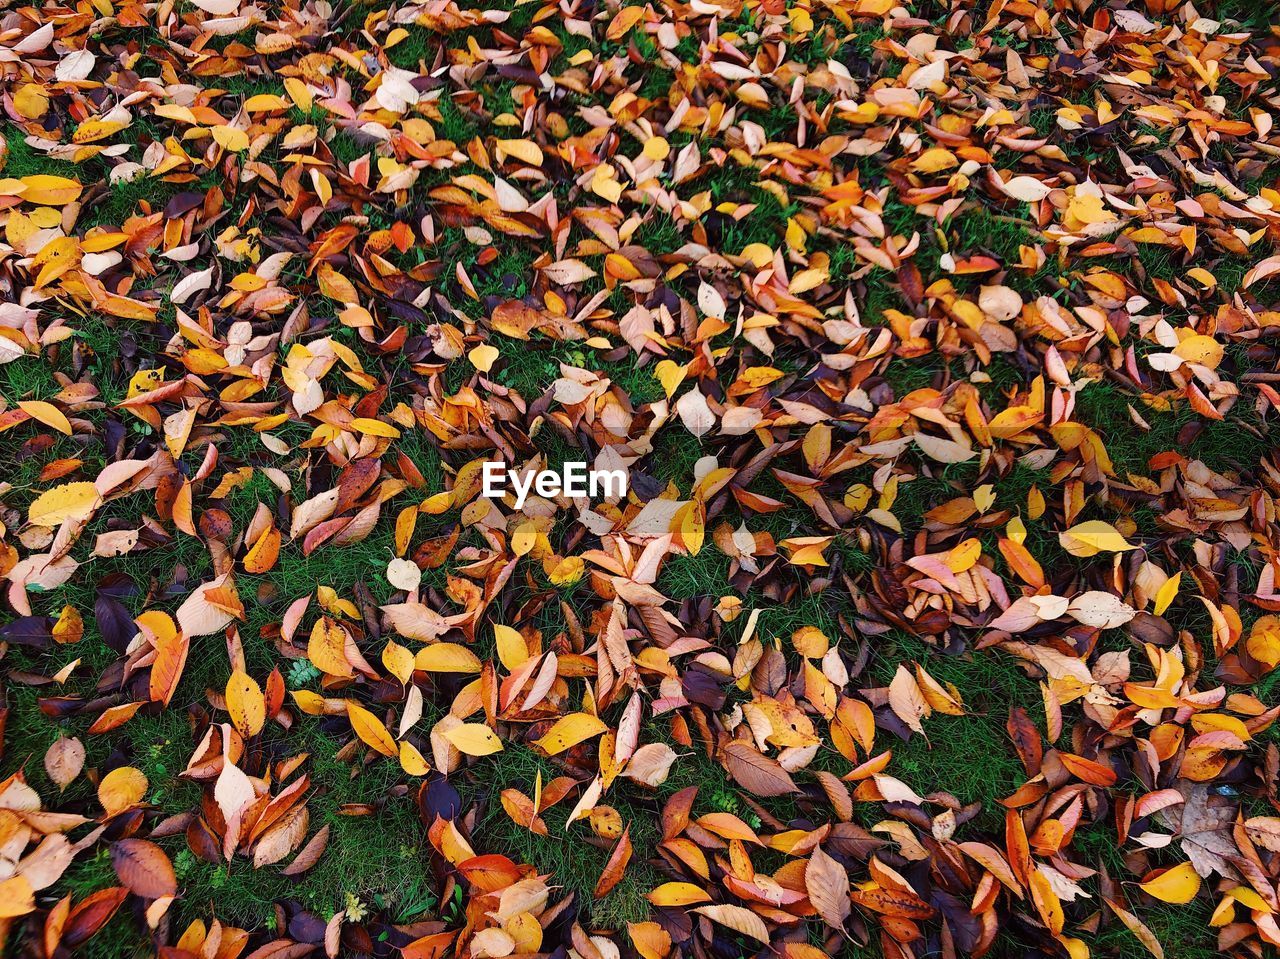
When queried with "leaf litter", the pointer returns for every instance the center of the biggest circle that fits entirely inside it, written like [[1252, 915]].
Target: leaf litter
[[935, 339]]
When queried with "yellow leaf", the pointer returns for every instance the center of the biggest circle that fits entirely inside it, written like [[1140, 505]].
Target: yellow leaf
[[513, 651], [46, 190], [324, 189], [1076, 948], [569, 731], [46, 413], [327, 648], [1201, 350], [56, 258], [524, 539], [604, 185], [264, 552], [372, 427], [299, 93], [398, 661], [657, 148], [670, 374], [175, 112], [857, 497], [623, 21], [1046, 902], [17, 898], [1017, 530], [1263, 643], [310, 703], [144, 381], [245, 703], [412, 761], [524, 150], [566, 571], [121, 789], [738, 918], [483, 357], [1086, 208], [334, 285], [264, 102], [446, 658], [128, 309], [678, 894], [474, 739], [370, 729], [229, 138], [1247, 897], [1167, 593], [945, 701], [31, 101], [1093, 537], [692, 527], [97, 129], [1035, 503], [934, 161], [806, 550], [650, 939], [405, 524], [984, 497], [69, 501], [1178, 885], [963, 555], [796, 237], [437, 503], [70, 626]]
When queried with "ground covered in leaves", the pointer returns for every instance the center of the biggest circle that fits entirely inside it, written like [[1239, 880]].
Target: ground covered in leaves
[[937, 340]]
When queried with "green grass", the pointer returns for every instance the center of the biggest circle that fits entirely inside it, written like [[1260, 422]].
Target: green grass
[[997, 235], [971, 756], [360, 860], [1183, 930], [573, 857], [25, 160], [1249, 16], [906, 376], [1221, 445], [27, 378]]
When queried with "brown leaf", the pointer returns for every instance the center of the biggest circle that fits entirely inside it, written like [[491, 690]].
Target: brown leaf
[[1138, 928], [143, 868], [738, 919], [906, 699], [91, 914], [64, 760], [616, 867], [827, 883], [757, 773], [1026, 739], [310, 854]]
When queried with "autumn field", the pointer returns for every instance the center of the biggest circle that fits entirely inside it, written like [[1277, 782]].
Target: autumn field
[[935, 341]]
